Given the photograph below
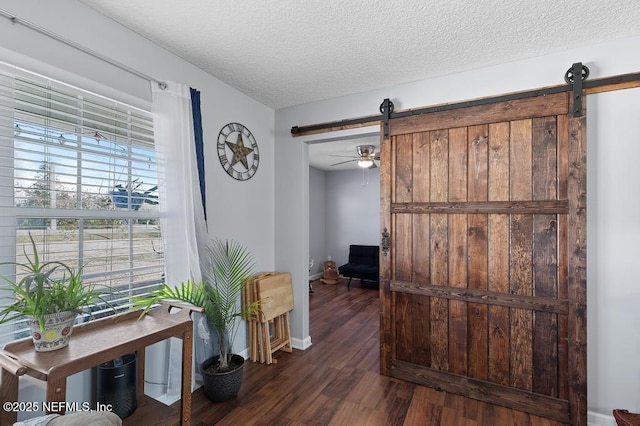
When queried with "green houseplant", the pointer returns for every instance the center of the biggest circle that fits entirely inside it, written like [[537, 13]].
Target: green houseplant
[[50, 296], [218, 294]]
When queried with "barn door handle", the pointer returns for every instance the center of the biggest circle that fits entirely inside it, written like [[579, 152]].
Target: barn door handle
[[385, 242]]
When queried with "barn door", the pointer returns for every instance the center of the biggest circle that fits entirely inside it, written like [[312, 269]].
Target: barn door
[[483, 287]]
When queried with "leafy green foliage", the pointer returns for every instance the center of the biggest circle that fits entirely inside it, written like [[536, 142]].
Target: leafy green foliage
[[190, 292], [38, 294], [218, 293]]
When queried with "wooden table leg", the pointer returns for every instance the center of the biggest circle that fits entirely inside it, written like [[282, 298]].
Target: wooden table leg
[[8, 393], [187, 364], [140, 353], [56, 392]]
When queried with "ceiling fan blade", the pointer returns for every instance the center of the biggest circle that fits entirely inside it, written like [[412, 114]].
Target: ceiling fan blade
[[343, 162], [343, 156]]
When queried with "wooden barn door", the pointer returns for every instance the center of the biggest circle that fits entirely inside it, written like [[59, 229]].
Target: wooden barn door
[[483, 287]]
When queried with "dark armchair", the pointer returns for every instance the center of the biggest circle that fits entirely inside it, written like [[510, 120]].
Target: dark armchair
[[364, 263]]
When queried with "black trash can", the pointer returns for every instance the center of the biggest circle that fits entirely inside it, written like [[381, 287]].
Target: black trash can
[[116, 385]]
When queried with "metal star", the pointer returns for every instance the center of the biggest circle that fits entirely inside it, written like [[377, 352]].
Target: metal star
[[240, 152]]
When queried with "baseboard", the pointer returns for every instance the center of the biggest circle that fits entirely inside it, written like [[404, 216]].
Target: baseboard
[[301, 344], [597, 419], [315, 276], [244, 353]]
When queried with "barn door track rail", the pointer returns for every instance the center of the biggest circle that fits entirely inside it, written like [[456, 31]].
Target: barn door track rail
[[575, 85]]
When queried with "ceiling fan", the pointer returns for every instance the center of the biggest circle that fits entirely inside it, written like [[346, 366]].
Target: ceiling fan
[[366, 158]]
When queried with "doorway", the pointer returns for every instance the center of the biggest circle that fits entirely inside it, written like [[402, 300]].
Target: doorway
[[343, 199]]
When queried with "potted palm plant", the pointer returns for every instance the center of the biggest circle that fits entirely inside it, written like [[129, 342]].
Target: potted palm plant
[[50, 296], [218, 294]]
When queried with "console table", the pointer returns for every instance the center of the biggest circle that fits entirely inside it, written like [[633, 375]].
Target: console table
[[95, 343]]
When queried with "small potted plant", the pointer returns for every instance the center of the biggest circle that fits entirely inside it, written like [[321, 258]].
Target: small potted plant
[[218, 294], [50, 296]]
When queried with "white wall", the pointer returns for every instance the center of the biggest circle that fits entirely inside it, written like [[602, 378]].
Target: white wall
[[613, 269], [613, 122], [317, 230], [353, 211], [240, 210]]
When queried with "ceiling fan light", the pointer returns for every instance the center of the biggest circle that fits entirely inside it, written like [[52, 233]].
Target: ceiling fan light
[[365, 163], [365, 150]]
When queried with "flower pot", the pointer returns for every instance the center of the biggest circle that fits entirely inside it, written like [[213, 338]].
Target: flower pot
[[56, 333], [220, 387]]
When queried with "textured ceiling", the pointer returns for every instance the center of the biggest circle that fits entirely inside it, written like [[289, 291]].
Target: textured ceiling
[[289, 52]]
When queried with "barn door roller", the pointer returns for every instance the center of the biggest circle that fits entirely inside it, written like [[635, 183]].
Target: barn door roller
[[386, 108], [577, 69]]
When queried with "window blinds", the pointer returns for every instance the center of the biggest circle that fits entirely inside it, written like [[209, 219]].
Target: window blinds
[[78, 172]]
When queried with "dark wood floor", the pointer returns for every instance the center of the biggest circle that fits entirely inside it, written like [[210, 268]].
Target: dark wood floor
[[336, 381]]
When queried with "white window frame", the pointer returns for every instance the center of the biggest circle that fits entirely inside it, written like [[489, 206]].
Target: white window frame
[[10, 212]]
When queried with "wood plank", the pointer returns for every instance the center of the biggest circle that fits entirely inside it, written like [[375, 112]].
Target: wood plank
[[386, 312], [403, 329], [439, 307], [421, 164], [478, 138], [458, 319], [421, 326], [563, 262], [439, 168], [335, 126], [425, 408], [458, 163], [439, 249], [520, 152], [545, 262], [498, 253], [420, 249], [489, 207], [523, 400], [478, 149], [274, 291], [403, 317], [403, 169], [524, 302], [544, 159], [545, 333], [521, 346], [521, 248], [577, 273], [402, 245], [516, 109], [421, 306]]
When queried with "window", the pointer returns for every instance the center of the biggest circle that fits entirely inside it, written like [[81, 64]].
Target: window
[[78, 172]]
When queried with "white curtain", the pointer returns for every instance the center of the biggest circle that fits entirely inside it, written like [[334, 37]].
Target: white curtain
[[183, 225]]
